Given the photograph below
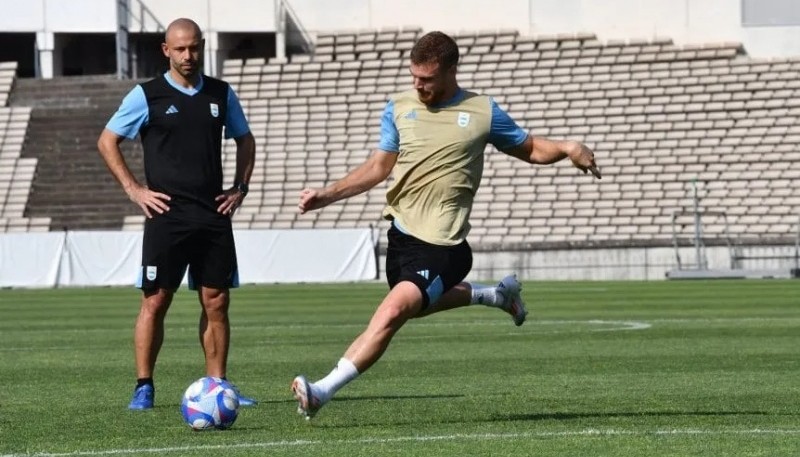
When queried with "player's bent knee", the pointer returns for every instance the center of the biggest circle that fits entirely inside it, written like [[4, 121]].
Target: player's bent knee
[[403, 302]]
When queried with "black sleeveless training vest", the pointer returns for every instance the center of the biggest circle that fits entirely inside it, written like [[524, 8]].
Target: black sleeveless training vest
[[182, 143]]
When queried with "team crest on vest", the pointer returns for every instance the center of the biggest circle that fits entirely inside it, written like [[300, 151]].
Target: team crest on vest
[[463, 119], [214, 109]]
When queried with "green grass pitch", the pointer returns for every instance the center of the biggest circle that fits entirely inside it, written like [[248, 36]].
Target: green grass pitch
[[600, 369]]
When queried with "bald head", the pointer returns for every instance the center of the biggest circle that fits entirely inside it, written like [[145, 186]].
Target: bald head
[[183, 46], [183, 25]]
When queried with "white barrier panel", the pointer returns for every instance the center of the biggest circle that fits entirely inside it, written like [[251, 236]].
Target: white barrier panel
[[113, 258], [28, 260], [101, 259], [305, 255]]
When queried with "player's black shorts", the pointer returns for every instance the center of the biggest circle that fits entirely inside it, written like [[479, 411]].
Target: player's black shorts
[[434, 269], [170, 245]]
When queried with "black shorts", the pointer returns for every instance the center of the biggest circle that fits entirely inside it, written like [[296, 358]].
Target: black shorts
[[170, 245], [432, 268]]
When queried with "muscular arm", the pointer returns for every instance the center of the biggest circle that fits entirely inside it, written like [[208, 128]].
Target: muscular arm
[[542, 151], [369, 174], [108, 146], [231, 199], [245, 157], [236, 127]]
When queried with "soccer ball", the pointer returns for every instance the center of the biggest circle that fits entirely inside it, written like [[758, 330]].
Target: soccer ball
[[210, 403]]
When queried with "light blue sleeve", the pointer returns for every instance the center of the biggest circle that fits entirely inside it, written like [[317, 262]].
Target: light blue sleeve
[[131, 115], [235, 122], [504, 132], [390, 138]]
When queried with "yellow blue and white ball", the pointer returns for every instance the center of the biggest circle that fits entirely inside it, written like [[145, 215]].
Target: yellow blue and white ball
[[210, 402]]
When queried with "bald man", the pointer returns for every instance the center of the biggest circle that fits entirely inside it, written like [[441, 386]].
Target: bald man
[[181, 116]]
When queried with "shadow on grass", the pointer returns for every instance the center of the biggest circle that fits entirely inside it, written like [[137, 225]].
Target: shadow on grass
[[397, 397], [369, 397], [555, 416], [612, 414]]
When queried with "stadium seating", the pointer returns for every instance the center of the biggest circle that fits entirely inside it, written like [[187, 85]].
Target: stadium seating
[[72, 186], [7, 72], [16, 172], [659, 116], [663, 119]]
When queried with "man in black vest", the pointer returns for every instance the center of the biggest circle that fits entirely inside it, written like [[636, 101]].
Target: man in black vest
[[180, 117]]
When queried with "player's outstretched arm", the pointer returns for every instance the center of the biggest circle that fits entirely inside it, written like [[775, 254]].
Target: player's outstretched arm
[[542, 151], [108, 146], [368, 175]]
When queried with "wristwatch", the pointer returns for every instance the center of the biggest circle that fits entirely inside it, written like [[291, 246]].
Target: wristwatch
[[242, 187]]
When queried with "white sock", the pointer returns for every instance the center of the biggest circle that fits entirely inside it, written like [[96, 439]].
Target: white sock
[[485, 295], [343, 373]]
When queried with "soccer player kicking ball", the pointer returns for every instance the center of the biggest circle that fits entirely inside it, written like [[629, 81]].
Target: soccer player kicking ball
[[434, 137]]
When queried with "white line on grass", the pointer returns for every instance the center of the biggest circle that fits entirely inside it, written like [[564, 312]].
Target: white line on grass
[[618, 325], [499, 322], [690, 320], [613, 326], [419, 438], [437, 323]]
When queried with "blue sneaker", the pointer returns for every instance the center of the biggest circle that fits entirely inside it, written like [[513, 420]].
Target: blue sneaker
[[142, 398], [247, 401], [244, 401]]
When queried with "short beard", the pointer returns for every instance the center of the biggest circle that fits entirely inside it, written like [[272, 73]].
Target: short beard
[[190, 74], [430, 100]]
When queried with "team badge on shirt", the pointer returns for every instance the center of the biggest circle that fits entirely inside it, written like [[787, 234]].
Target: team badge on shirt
[[463, 119], [214, 109]]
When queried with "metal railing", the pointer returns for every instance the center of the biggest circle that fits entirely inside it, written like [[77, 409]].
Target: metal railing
[[701, 261], [291, 30], [736, 248], [141, 16]]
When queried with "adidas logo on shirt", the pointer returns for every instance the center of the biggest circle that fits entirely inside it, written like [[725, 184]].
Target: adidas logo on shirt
[[172, 110], [423, 273]]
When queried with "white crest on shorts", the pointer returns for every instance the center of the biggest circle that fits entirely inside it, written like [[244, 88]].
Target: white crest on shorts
[[463, 119], [214, 109], [151, 272]]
